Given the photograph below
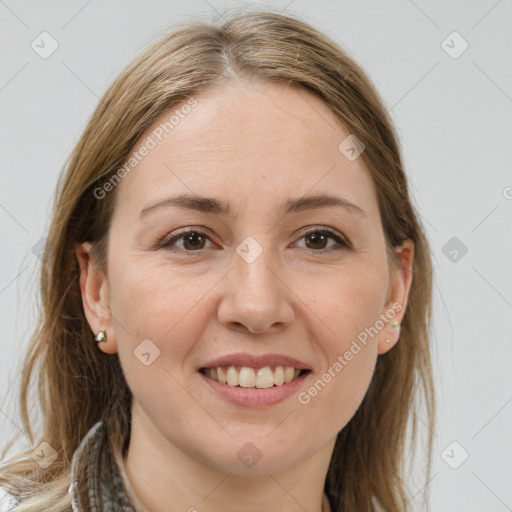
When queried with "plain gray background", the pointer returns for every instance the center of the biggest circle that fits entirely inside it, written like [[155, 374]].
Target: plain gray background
[[454, 117]]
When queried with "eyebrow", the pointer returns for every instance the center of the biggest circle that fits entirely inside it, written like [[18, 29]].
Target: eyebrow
[[216, 207]]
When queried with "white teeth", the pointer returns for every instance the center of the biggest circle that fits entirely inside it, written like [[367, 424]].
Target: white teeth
[[279, 376], [247, 377], [264, 378], [221, 376], [288, 374], [232, 376]]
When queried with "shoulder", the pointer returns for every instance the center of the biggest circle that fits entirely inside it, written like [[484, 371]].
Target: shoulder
[[7, 501]]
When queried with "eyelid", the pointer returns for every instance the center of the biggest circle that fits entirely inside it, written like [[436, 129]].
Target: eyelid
[[341, 240], [325, 229], [176, 235]]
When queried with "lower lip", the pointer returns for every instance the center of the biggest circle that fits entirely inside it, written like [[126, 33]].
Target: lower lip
[[255, 397]]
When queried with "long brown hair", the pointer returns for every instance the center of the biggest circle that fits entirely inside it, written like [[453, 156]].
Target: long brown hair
[[78, 384]]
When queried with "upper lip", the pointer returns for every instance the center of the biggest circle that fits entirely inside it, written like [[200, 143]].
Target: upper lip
[[254, 361]]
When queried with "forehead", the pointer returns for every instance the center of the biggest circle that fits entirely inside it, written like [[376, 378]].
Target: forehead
[[253, 142]]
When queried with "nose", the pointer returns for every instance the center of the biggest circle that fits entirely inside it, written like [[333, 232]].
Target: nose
[[256, 298]]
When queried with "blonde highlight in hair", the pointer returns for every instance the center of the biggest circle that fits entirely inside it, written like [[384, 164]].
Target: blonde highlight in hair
[[78, 385]]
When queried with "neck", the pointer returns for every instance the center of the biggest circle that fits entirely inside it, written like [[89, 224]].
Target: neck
[[166, 478]]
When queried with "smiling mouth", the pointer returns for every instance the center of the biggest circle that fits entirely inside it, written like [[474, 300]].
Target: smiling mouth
[[246, 377]]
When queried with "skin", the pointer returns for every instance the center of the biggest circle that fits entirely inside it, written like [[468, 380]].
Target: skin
[[254, 145]]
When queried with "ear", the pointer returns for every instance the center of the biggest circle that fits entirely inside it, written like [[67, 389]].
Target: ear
[[95, 300], [398, 295]]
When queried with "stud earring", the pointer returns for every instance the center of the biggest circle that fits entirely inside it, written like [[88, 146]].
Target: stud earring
[[395, 325], [101, 337]]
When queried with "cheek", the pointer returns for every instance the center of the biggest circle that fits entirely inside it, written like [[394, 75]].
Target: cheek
[[353, 303], [335, 393], [351, 309], [160, 303], [158, 316]]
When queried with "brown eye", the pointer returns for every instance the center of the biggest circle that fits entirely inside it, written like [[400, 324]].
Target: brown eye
[[193, 241], [190, 241], [317, 240]]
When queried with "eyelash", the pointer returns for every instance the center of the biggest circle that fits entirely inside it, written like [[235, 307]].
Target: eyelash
[[342, 244]]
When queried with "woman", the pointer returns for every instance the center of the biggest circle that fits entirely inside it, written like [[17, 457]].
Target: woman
[[237, 299]]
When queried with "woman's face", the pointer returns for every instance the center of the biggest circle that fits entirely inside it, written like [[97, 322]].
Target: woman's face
[[248, 287]]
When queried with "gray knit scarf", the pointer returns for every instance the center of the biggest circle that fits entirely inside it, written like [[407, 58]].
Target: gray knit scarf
[[96, 482]]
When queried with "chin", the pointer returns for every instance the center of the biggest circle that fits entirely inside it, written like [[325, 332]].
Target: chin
[[254, 452]]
